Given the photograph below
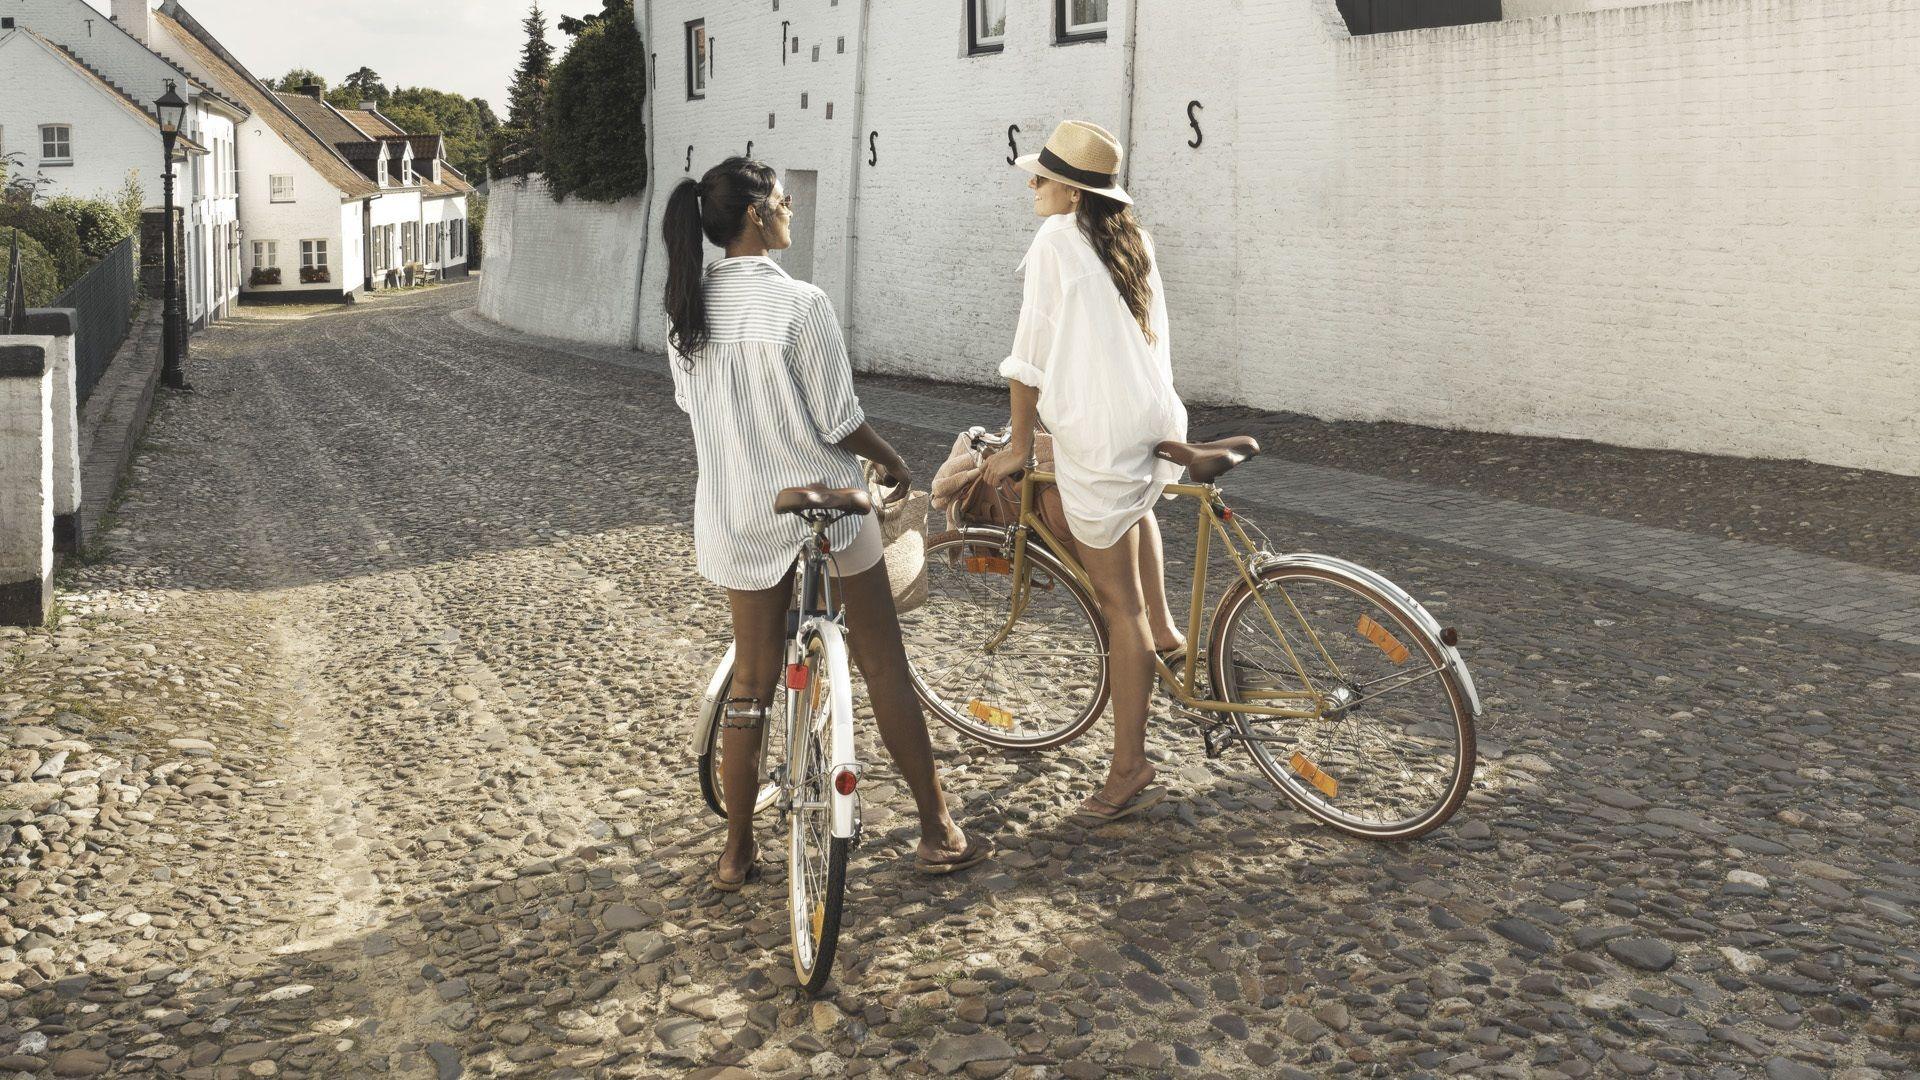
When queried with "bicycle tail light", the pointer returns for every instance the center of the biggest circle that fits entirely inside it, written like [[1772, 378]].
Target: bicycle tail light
[[845, 780]]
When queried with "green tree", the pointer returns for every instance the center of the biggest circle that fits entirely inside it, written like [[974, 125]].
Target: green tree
[[367, 85], [437, 112], [291, 81], [594, 140], [516, 145]]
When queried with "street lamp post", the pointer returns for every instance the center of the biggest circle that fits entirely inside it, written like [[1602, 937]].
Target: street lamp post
[[172, 110]]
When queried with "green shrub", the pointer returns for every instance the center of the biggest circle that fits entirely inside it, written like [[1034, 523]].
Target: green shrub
[[57, 236], [593, 135], [100, 225], [37, 268], [476, 228]]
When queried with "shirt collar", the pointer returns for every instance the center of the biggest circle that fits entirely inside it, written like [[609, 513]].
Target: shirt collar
[[746, 262], [1053, 223]]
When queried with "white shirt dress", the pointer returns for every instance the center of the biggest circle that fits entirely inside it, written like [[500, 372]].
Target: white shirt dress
[[1106, 395], [769, 396]]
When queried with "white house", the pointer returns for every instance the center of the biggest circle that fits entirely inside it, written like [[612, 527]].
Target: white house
[[76, 100], [1679, 225], [327, 208]]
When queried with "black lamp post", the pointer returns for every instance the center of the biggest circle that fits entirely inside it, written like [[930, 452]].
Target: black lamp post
[[172, 109]]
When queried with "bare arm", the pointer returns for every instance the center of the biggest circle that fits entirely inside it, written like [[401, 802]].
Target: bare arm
[[867, 443], [1023, 421]]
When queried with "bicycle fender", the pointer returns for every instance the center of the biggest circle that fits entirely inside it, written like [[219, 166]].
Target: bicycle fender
[[840, 751], [1310, 560], [706, 723]]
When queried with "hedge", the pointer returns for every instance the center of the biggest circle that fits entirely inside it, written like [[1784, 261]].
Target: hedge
[[37, 268], [100, 226], [57, 236]]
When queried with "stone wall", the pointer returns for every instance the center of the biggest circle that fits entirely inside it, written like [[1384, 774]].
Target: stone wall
[[569, 271]]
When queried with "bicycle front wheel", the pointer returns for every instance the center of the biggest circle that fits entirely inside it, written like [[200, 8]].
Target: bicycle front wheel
[[1040, 686], [1372, 730], [816, 857]]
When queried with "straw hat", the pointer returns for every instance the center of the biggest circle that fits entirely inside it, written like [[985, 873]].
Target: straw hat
[[1081, 155]]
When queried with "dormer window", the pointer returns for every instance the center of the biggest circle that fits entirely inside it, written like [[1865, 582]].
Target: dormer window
[[382, 171]]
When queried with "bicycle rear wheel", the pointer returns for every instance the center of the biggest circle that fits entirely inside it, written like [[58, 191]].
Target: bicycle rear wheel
[[710, 762], [1388, 752], [816, 858], [1041, 687]]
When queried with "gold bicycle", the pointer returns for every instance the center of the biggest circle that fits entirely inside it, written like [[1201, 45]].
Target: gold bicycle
[[1349, 695]]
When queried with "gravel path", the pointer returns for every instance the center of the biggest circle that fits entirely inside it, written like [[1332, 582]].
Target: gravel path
[[359, 750]]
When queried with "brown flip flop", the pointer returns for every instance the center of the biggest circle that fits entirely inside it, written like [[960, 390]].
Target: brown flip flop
[[977, 852], [1146, 798], [721, 884]]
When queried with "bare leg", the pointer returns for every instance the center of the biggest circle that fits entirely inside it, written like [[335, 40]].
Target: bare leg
[[874, 640], [759, 630], [1153, 587], [1116, 582]]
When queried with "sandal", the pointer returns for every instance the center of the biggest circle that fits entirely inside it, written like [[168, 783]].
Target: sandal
[[977, 852], [730, 885], [1145, 799]]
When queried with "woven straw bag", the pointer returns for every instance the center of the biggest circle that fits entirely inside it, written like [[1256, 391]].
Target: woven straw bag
[[903, 528]]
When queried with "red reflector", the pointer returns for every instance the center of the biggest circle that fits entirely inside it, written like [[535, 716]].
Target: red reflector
[[845, 781], [1226, 513], [796, 676]]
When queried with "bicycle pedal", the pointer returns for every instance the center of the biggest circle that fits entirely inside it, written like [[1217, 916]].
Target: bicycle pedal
[[1217, 739]]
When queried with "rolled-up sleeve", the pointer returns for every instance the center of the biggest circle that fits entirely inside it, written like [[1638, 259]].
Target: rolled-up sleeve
[[1039, 310], [818, 360]]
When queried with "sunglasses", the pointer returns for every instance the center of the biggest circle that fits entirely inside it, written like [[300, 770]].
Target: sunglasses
[[784, 202]]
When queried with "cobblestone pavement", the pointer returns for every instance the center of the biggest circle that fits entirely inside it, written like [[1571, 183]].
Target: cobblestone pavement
[[360, 751]]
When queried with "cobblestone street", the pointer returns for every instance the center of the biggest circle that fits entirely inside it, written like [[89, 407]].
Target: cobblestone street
[[360, 749]]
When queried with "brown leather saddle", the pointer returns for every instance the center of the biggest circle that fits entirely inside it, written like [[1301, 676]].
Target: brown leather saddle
[[821, 499], [1209, 461]]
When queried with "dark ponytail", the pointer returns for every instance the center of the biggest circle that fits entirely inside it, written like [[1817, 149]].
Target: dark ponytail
[[1114, 233], [716, 208]]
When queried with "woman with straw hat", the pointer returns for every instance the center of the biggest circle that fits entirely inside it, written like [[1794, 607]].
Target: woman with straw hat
[[1090, 360]]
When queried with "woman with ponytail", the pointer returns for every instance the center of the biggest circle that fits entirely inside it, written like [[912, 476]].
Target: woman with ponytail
[[1090, 360], [760, 369]]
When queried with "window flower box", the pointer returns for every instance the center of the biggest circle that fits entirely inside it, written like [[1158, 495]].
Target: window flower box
[[314, 275], [264, 275]]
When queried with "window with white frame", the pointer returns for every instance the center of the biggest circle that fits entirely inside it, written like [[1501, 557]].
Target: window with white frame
[[313, 254], [266, 253], [56, 144], [986, 26], [233, 169], [697, 59], [1080, 20], [282, 187]]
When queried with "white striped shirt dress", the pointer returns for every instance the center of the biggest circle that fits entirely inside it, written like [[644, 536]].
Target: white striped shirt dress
[[769, 396]]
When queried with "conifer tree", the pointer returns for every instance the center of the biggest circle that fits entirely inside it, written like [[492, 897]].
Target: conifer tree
[[517, 143]]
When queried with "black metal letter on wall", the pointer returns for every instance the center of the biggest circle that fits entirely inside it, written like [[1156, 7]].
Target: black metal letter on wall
[[689, 157], [749, 147], [1012, 130], [873, 148], [1198, 138]]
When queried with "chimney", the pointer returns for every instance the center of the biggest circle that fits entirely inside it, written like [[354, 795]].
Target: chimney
[[369, 106], [310, 88], [135, 18]]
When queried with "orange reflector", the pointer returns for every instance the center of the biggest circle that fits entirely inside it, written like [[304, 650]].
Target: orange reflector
[[1377, 634], [796, 676], [817, 920], [990, 716], [989, 564], [1311, 773], [845, 781]]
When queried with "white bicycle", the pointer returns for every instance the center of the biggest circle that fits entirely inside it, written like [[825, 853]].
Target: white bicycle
[[816, 786]]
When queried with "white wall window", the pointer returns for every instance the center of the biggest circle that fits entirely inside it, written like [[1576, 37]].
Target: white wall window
[[282, 187], [986, 26], [313, 257], [56, 144], [266, 253], [382, 173], [697, 59], [1080, 20], [233, 169]]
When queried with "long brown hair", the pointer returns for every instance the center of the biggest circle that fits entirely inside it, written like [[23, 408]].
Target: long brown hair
[[1109, 225]]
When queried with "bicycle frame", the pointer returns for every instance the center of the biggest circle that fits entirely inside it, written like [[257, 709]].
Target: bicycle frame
[[814, 615], [1214, 516]]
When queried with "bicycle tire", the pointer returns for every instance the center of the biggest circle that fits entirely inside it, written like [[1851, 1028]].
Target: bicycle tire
[[1294, 781], [814, 919], [952, 607], [708, 762]]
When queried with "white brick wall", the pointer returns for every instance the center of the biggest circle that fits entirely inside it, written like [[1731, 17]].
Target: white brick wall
[[1686, 225], [561, 270]]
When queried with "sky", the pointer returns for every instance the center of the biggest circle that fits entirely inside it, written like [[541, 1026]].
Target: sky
[[468, 47]]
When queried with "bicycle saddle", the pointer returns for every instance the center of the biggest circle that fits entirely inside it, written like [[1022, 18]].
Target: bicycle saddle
[[1209, 461], [819, 497]]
